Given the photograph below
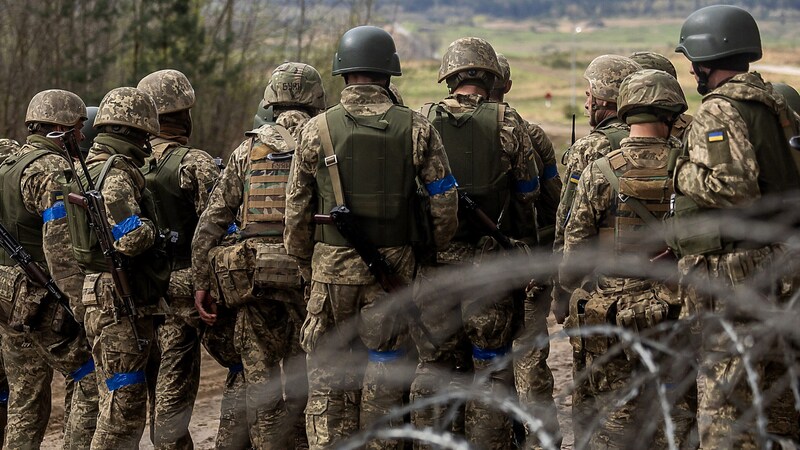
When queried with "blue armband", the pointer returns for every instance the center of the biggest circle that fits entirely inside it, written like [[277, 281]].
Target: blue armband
[[120, 380], [4, 397], [385, 357], [441, 186], [82, 371], [126, 226], [236, 368], [550, 171], [484, 354], [232, 228], [55, 212], [526, 186]]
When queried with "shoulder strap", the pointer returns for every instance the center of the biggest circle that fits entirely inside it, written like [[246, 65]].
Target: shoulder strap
[[330, 159], [501, 113], [104, 172], [614, 135], [426, 109], [605, 167]]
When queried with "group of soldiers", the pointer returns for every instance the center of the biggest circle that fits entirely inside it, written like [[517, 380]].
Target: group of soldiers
[[308, 265]]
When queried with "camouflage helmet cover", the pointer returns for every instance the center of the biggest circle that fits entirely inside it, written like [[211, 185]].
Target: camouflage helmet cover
[[719, 31], [57, 107], [653, 60], [650, 89], [505, 71], [129, 107], [469, 53], [790, 94], [366, 49], [606, 72], [170, 89], [295, 84]]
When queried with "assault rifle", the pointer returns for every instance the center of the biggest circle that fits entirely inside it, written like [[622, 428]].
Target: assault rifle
[[32, 270], [93, 203], [488, 225], [379, 267]]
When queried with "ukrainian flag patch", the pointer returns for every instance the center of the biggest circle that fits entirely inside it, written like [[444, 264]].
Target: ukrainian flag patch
[[716, 136], [574, 178]]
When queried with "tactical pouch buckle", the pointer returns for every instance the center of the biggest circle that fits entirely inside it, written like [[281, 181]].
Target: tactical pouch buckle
[[331, 160]]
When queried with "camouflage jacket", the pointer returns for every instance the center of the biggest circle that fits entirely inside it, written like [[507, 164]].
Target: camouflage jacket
[[594, 199], [198, 171], [342, 265], [550, 181], [579, 155], [227, 197]]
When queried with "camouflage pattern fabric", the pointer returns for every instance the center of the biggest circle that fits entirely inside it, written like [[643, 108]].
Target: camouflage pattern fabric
[[343, 289], [3, 397], [550, 181], [56, 106]]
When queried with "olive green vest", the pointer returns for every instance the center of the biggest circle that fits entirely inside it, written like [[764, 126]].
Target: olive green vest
[[472, 142], [376, 166], [176, 210], [23, 225], [777, 173]]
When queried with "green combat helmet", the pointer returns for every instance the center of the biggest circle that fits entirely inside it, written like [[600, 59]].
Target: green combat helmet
[[653, 60], [295, 84], [605, 73], [790, 94], [130, 107], [366, 49], [55, 106], [650, 95], [717, 32], [469, 58], [170, 89], [88, 130]]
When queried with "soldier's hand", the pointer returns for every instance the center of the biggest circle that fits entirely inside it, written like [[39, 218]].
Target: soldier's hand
[[206, 307]]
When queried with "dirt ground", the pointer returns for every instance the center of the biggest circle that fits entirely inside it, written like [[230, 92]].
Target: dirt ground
[[206, 410]]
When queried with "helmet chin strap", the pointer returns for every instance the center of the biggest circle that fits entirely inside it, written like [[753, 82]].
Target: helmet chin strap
[[702, 79]]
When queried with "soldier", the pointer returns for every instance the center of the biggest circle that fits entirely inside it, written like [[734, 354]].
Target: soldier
[[736, 153], [120, 338], [790, 94], [653, 60], [649, 101], [55, 338], [270, 311], [181, 182], [344, 294], [533, 378], [498, 172]]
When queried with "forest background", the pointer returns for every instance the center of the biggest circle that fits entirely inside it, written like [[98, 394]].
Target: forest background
[[227, 48]]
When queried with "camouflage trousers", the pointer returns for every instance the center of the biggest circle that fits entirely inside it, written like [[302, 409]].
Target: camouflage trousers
[[264, 333], [3, 396], [218, 341], [29, 399], [486, 323], [728, 415], [178, 377], [120, 366], [357, 371]]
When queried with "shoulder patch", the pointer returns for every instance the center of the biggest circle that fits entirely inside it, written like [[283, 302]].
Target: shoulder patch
[[716, 136]]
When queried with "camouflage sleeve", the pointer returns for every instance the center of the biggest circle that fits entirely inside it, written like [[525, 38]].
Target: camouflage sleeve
[[721, 169], [551, 186], [198, 173], [219, 214], [433, 169], [516, 144], [301, 201], [122, 190], [33, 182]]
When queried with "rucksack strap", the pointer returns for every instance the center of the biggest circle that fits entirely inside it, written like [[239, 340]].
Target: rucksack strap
[[614, 136], [330, 160], [636, 205]]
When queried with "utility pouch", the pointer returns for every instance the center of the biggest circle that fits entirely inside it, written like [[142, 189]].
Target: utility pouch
[[691, 236], [274, 269], [233, 277], [601, 309], [641, 311], [27, 307], [10, 280]]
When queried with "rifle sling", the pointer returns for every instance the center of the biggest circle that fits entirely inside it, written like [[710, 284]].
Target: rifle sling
[[330, 160], [636, 205]]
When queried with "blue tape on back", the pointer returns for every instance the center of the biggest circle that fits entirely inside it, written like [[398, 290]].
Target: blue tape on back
[[441, 186], [236, 368], [232, 228], [120, 380], [55, 212], [82, 371], [550, 172], [487, 354], [385, 357], [126, 226], [525, 186]]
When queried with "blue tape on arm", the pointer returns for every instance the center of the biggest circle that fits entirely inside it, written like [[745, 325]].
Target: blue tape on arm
[[126, 226], [385, 357], [236, 368], [55, 212], [82, 371], [232, 228], [550, 172], [525, 186], [441, 186], [485, 354], [120, 380]]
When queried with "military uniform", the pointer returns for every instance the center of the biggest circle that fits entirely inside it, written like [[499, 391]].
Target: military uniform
[[343, 289]]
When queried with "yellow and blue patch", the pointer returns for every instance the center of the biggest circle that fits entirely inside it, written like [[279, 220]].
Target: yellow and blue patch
[[574, 178], [716, 136]]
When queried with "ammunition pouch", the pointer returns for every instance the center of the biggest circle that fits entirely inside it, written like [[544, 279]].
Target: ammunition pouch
[[275, 269], [647, 309], [10, 280], [689, 234], [27, 306], [601, 309]]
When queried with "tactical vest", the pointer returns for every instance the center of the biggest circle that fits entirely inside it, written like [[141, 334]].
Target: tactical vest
[[778, 172], [23, 225], [641, 200], [472, 142], [148, 272], [376, 167], [176, 210], [264, 204]]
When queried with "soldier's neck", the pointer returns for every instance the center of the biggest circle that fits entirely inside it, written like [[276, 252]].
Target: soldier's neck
[[650, 129]]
